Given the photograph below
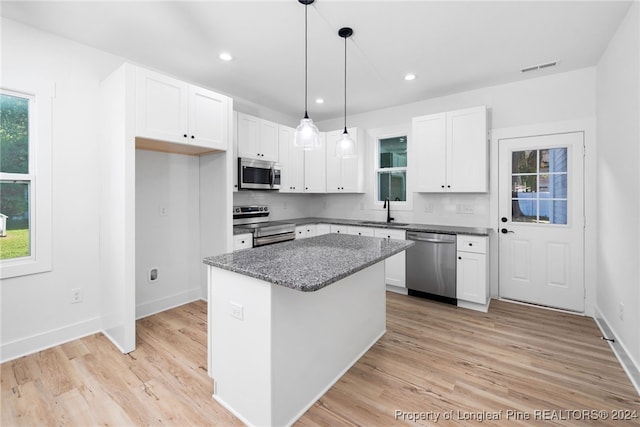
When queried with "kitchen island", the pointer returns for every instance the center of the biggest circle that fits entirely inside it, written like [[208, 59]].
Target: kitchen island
[[286, 321]]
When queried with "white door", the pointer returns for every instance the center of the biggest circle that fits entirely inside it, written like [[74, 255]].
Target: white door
[[541, 229]]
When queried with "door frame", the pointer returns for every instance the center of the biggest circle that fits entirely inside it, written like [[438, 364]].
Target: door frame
[[590, 179]]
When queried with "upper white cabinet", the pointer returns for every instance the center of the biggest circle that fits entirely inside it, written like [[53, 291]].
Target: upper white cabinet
[[291, 162], [173, 111], [315, 171], [451, 151], [344, 175], [257, 138]]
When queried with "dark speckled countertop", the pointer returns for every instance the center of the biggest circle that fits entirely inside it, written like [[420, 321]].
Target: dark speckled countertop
[[429, 228], [309, 264]]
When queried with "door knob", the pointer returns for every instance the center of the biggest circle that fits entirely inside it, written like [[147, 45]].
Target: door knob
[[505, 231]]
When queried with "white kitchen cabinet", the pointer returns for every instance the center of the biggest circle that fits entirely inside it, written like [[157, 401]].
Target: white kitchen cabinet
[[291, 161], [395, 266], [171, 111], [451, 152], [257, 138], [242, 241], [234, 155], [315, 171], [472, 282], [340, 229], [344, 175], [307, 230], [360, 231], [322, 229]]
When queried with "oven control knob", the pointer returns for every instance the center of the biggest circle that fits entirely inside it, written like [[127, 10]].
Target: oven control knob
[[266, 208], [237, 210]]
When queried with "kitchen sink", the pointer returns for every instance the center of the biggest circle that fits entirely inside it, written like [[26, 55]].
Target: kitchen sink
[[388, 224]]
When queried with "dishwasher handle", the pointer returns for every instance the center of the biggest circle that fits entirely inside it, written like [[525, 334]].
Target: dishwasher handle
[[431, 240]]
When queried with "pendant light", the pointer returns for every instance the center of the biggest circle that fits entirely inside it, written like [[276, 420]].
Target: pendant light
[[345, 146], [306, 135]]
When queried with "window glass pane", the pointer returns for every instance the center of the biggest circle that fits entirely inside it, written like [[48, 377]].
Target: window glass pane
[[393, 152], [553, 186], [524, 161], [524, 184], [392, 185], [524, 210], [14, 134], [553, 211], [553, 160], [14, 221]]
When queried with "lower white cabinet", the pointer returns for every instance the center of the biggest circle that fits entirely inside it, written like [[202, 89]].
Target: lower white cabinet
[[308, 230], [395, 266], [242, 241], [340, 229], [472, 284], [322, 229], [360, 231]]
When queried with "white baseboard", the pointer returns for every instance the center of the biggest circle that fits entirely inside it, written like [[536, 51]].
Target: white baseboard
[[397, 289], [165, 303], [35, 343], [474, 305], [630, 366]]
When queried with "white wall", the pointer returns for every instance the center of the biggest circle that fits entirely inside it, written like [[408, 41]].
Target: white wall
[[555, 98], [282, 206], [618, 235], [36, 310], [168, 241]]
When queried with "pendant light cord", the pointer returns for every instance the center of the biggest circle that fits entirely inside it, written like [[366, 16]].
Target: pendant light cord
[[306, 115], [345, 85]]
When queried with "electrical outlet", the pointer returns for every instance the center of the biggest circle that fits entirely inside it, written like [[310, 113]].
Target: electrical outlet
[[621, 311], [237, 311], [163, 211], [153, 275], [76, 295], [464, 209]]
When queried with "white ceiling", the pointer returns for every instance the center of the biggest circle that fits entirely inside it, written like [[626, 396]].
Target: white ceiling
[[451, 46]]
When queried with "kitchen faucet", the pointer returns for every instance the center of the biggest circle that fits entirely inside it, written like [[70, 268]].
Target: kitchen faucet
[[387, 205]]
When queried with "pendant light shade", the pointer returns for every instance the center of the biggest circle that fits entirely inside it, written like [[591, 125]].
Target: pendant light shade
[[306, 135], [345, 146]]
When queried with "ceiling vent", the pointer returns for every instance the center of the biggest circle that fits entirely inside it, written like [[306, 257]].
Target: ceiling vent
[[539, 66]]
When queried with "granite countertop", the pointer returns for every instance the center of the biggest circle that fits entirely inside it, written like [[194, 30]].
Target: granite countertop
[[310, 264], [447, 229]]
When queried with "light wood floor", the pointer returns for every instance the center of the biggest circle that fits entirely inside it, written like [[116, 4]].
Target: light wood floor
[[433, 358]]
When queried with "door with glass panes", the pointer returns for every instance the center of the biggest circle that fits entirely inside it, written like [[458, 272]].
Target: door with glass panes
[[541, 224]]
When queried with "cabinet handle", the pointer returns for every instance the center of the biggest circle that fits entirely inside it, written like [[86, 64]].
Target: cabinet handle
[[185, 135], [448, 186], [470, 244], [193, 137], [459, 257], [442, 186]]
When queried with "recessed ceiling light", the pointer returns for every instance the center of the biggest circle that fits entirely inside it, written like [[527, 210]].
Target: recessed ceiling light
[[225, 56], [319, 101], [409, 77]]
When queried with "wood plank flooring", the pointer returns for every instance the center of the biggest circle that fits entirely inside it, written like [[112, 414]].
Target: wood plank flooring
[[435, 360]]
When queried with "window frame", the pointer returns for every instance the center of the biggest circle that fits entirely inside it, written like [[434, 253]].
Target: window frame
[[384, 133], [39, 176]]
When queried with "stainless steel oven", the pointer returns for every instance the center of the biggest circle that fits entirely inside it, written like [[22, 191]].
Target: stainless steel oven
[[258, 175], [255, 220]]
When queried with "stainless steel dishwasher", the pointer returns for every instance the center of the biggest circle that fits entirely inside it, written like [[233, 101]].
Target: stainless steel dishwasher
[[431, 266]]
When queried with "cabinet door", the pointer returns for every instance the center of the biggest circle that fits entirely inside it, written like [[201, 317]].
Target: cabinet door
[[242, 241], [323, 229], [312, 230], [350, 170], [301, 232], [395, 266], [291, 161], [360, 231], [248, 136], [161, 107], [339, 229], [314, 168], [429, 148], [471, 277], [207, 118], [268, 141], [467, 150], [334, 169]]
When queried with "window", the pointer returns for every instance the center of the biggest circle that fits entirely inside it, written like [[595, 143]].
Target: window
[[539, 186], [391, 169], [25, 187]]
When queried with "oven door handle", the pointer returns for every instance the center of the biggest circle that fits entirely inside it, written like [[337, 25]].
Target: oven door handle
[[259, 241]]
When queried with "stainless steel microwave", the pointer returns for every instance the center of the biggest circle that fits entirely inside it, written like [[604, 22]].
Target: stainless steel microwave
[[258, 175]]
